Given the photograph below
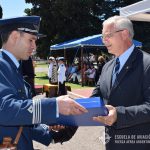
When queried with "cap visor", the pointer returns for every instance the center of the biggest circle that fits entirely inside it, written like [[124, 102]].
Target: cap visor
[[39, 35]]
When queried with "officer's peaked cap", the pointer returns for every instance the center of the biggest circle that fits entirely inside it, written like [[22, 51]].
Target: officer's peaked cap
[[61, 58], [51, 58], [28, 24]]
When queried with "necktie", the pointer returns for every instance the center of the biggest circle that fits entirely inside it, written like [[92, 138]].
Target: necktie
[[116, 71]]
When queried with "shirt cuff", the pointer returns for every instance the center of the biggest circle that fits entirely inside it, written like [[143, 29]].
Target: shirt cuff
[[57, 109]]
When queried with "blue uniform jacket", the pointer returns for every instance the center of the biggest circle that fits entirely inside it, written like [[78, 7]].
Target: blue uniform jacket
[[17, 108]]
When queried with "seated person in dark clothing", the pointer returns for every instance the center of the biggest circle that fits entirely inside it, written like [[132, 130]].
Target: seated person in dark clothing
[[101, 63], [28, 73]]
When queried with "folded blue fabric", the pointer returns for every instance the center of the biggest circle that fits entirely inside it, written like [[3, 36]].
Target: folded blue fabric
[[95, 107]]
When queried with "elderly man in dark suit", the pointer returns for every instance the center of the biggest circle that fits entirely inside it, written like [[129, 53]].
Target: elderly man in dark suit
[[125, 85], [16, 105]]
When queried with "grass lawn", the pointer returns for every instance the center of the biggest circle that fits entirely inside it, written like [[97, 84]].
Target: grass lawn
[[43, 65], [41, 79]]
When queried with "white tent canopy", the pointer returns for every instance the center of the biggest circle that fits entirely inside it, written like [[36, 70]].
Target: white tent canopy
[[139, 11]]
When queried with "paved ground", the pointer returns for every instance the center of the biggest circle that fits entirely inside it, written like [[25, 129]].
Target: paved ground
[[84, 92], [86, 138]]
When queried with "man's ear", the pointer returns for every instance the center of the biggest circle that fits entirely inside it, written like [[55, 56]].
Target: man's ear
[[125, 34], [14, 36]]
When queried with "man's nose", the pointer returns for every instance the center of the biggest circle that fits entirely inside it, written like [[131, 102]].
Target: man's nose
[[33, 45]]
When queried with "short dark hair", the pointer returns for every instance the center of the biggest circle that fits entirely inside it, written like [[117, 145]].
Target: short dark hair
[[5, 36]]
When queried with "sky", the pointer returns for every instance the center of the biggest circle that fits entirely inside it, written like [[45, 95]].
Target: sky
[[13, 8]]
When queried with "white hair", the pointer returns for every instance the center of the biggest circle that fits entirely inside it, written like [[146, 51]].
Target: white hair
[[121, 22]]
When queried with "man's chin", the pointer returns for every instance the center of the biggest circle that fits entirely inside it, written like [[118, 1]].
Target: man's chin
[[109, 49], [26, 58]]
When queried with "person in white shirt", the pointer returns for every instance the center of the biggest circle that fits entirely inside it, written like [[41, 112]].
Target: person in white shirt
[[61, 76], [50, 67]]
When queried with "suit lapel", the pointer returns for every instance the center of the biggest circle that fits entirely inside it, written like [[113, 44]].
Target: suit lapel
[[6, 58], [126, 68], [110, 72], [106, 80], [18, 78], [13, 68]]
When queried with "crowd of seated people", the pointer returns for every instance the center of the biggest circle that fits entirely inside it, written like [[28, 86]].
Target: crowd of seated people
[[74, 76], [91, 72]]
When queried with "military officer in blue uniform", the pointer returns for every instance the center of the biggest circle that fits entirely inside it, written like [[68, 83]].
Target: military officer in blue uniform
[[16, 105], [61, 76]]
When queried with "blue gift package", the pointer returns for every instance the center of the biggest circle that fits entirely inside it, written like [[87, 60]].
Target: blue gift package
[[95, 107]]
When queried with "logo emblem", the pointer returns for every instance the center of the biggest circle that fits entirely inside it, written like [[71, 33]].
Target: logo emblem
[[104, 138], [30, 109]]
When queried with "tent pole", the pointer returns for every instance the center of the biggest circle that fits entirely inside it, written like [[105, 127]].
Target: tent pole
[[82, 66], [65, 53]]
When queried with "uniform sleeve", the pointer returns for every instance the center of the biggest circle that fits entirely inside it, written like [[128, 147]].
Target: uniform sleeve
[[41, 134], [15, 109]]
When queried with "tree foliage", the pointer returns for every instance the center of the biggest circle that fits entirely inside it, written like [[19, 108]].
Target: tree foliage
[[64, 20], [1, 14]]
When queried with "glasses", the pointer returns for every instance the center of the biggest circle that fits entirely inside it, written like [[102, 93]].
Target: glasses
[[109, 35]]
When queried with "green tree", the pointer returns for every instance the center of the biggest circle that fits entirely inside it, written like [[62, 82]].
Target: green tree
[[64, 20]]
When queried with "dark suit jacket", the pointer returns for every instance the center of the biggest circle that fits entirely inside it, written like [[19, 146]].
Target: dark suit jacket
[[131, 97], [15, 104]]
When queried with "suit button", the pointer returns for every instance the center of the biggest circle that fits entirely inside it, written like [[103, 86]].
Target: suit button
[[19, 90]]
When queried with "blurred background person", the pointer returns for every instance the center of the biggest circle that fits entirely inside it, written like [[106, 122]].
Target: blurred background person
[[27, 69], [61, 76], [101, 63], [50, 61], [54, 76]]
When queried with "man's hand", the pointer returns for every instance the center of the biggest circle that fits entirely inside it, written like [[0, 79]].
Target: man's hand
[[63, 135], [56, 127], [68, 106], [110, 119]]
